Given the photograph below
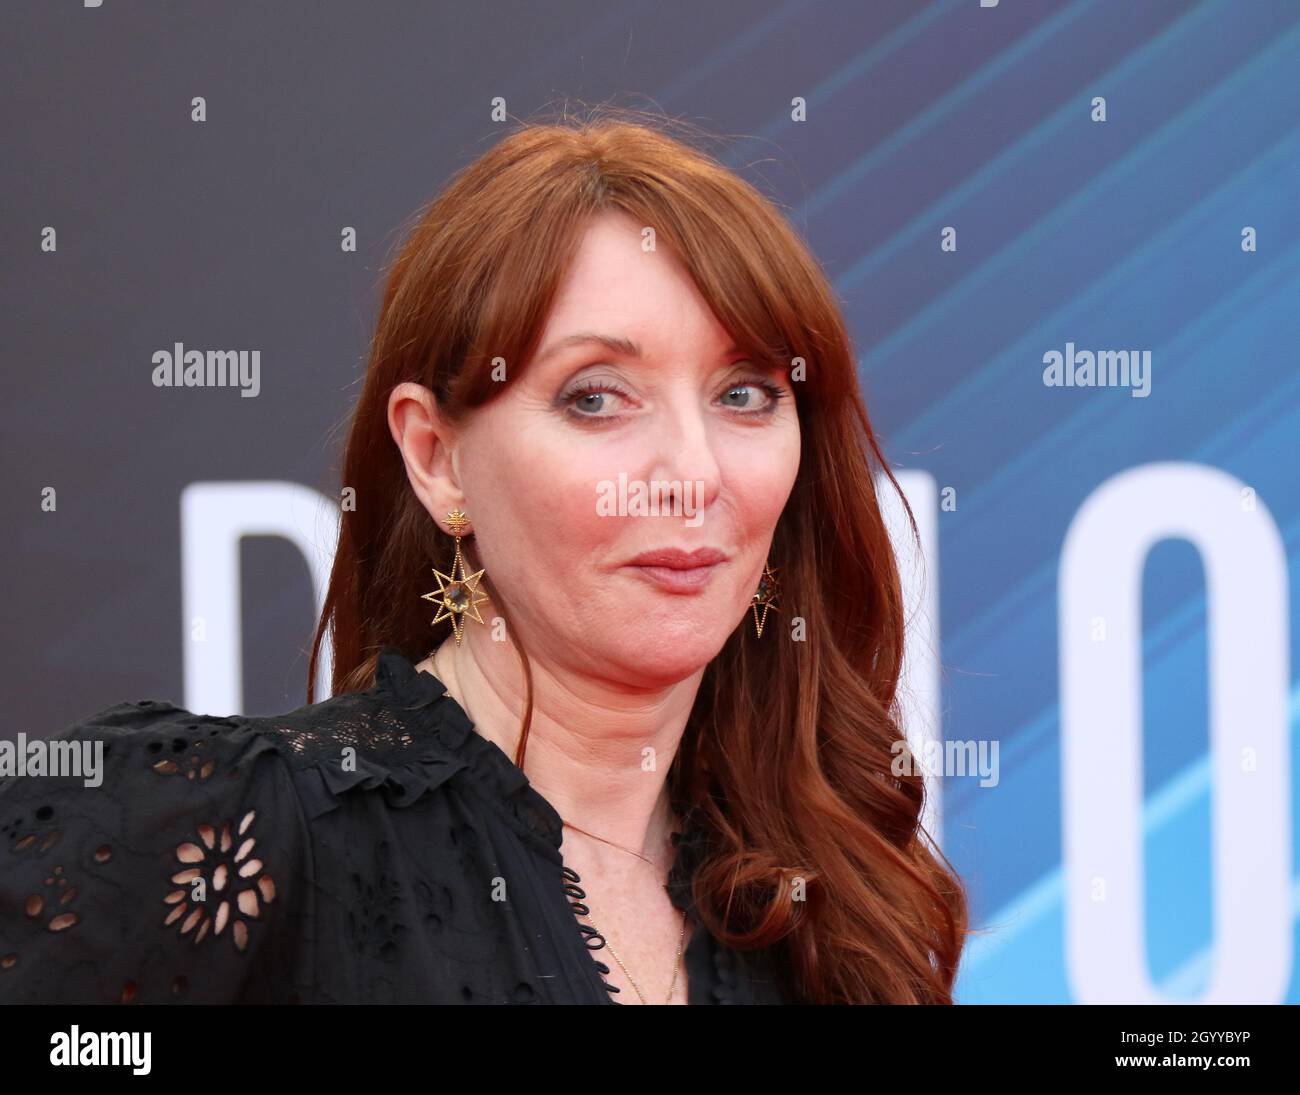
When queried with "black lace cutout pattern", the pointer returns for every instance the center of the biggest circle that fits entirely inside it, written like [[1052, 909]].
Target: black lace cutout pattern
[[157, 884], [234, 876], [348, 851]]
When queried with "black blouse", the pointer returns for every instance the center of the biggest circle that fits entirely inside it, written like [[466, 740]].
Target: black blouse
[[262, 860]]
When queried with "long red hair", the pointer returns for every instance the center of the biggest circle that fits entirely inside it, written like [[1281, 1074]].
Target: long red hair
[[785, 763]]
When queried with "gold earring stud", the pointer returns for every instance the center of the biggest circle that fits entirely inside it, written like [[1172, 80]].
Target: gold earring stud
[[765, 597], [458, 594]]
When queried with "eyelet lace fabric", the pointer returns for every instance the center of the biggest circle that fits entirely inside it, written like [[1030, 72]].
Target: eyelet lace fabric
[[370, 848]]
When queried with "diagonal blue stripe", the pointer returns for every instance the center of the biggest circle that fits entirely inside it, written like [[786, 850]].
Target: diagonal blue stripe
[[1014, 253], [737, 46], [1087, 414], [939, 111], [1038, 734], [858, 67], [1044, 900], [1038, 585]]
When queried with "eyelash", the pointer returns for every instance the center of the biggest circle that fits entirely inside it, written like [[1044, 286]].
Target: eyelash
[[592, 385]]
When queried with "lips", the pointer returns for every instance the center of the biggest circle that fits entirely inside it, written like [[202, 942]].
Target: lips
[[677, 559], [675, 571]]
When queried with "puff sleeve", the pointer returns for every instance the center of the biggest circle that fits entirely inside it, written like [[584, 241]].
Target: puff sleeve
[[174, 870]]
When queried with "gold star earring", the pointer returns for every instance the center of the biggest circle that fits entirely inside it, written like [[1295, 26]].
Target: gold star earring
[[457, 595], [765, 597]]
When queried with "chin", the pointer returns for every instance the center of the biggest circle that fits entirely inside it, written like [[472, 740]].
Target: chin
[[668, 655]]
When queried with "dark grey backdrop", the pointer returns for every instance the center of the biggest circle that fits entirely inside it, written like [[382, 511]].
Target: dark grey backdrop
[[225, 234]]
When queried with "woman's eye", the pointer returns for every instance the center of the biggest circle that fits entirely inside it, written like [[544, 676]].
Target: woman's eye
[[746, 400], [596, 398], [585, 400]]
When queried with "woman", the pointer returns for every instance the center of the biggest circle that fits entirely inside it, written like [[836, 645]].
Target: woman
[[611, 447]]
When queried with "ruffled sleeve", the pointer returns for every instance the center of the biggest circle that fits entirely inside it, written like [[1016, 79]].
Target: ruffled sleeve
[[166, 861]]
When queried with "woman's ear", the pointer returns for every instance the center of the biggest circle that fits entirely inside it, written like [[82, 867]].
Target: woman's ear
[[428, 445]]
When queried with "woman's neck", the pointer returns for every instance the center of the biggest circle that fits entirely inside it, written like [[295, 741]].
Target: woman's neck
[[598, 751]]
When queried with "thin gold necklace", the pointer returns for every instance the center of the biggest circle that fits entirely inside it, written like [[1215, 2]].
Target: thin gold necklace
[[676, 962], [672, 985]]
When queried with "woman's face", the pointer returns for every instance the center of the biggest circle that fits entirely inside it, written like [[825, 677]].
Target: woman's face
[[559, 472]]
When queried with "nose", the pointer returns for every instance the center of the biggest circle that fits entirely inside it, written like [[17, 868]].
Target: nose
[[685, 461]]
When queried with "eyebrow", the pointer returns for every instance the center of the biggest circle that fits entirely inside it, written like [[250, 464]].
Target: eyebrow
[[625, 346]]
